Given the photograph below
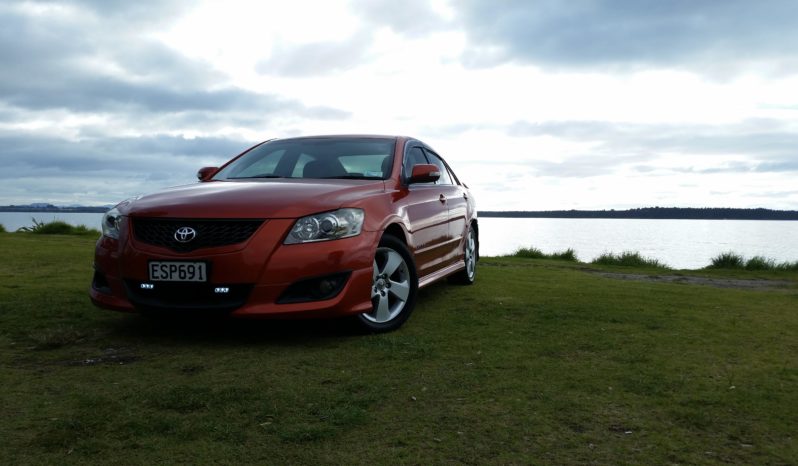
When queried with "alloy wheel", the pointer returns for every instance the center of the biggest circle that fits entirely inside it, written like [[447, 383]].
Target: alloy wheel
[[390, 288]]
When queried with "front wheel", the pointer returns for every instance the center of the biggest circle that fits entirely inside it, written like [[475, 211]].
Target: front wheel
[[393, 289], [468, 275]]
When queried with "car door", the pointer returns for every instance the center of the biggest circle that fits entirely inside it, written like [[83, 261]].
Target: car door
[[426, 215], [456, 201]]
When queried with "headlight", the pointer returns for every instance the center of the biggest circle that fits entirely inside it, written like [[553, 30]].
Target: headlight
[[110, 225], [341, 223]]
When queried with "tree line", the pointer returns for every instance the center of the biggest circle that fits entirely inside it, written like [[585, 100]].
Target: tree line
[[688, 213]]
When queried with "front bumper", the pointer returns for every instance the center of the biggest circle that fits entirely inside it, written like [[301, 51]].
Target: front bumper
[[256, 274]]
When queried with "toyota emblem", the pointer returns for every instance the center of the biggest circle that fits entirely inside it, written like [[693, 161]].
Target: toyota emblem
[[185, 234]]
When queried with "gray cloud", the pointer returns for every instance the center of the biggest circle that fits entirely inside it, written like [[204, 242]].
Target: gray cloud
[[767, 146], [410, 18], [94, 60], [581, 166], [706, 35], [51, 62], [104, 170], [751, 146], [34, 154]]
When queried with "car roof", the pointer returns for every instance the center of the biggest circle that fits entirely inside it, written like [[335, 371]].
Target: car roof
[[342, 136]]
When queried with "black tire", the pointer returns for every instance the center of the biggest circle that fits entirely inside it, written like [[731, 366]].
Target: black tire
[[468, 275], [394, 287]]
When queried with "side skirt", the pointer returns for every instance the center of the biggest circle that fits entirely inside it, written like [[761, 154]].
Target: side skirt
[[438, 274]]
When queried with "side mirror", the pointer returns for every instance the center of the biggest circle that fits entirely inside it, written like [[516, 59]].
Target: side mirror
[[424, 173], [205, 173]]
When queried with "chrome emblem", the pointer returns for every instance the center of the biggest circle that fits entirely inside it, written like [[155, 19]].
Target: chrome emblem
[[185, 234]]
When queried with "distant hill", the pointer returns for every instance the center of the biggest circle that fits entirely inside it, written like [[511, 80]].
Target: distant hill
[[708, 213], [43, 207]]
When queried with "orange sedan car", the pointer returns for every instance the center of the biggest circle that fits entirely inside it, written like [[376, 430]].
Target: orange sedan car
[[308, 227]]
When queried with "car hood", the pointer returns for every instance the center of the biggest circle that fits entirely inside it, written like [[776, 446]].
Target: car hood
[[289, 198]]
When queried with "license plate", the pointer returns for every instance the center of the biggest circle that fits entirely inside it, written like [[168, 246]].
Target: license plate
[[178, 272]]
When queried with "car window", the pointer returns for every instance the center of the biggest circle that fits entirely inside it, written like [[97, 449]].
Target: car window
[[263, 166], [317, 158], [434, 159], [299, 167], [372, 165], [415, 156]]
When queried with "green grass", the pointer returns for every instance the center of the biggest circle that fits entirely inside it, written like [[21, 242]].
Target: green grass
[[628, 259], [540, 362], [58, 227], [535, 253], [731, 260], [728, 260]]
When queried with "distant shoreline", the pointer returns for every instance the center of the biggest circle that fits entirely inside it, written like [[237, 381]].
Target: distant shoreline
[[650, 213], [56, 210], [654, 213]]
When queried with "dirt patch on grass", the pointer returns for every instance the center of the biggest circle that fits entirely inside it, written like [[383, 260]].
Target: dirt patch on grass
[[739, 283], [108, 356]]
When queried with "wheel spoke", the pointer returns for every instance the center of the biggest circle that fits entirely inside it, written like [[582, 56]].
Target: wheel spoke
[[383, 312], [393, 263], [400, 289], [374, 272]]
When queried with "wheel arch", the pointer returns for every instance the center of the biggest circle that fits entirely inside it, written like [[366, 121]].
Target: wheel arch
[[396, 230]]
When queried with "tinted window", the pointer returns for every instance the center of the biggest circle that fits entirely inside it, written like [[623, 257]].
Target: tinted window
[[366, 158], [434, 159], [415, 156], [299, 166], [262, 166], [367, 165]]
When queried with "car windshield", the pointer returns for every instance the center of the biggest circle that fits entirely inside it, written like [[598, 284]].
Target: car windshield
[[318, 158]]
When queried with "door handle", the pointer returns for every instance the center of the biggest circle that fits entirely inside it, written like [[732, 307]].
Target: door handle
[[442, 198], [465, 196]]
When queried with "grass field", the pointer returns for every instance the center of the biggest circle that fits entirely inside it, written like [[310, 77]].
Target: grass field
[[541, 362]]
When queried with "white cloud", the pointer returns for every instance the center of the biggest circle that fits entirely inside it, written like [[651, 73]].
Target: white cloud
[[712, 120]]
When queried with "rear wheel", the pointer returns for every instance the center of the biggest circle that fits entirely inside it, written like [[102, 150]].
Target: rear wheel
[[393, 289], [468, 275]]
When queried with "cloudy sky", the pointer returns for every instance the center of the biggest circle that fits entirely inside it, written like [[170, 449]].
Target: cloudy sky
[[537, 104]]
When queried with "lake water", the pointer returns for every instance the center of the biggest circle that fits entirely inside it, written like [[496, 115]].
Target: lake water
[[682, 244]]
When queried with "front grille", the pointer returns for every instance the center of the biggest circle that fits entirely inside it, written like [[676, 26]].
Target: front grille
[[209, 233]]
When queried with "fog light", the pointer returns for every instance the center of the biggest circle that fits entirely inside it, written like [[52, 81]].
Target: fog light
[[100, 283], [326, 286], [147, 286], [314, 289]]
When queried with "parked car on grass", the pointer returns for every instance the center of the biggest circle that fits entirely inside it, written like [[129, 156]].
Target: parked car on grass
[[304, 227]]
